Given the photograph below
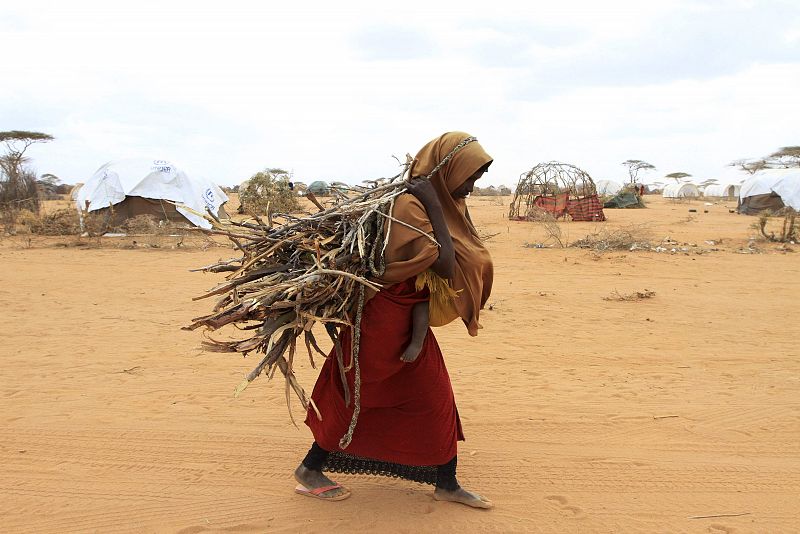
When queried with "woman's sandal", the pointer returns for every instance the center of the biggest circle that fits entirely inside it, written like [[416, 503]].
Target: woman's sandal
[[317, 492]]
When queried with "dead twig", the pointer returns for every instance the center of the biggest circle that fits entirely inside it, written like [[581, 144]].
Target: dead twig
[[718, 515]]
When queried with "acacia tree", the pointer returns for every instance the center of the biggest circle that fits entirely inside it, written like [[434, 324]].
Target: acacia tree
[[750, 166], [12, 163], [788, 156], [18, 188], [50, 185], [678, 176], [636, 165]]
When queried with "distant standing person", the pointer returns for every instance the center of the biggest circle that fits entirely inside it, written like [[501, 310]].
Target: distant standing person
[[408, 425]]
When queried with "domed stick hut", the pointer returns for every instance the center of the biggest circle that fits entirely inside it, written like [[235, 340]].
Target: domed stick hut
[[558, 188]]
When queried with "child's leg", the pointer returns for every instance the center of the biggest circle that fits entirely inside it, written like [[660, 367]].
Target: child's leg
[[419, 329]]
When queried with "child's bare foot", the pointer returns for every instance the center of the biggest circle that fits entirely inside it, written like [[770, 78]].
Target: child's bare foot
[[412, 352], [464, 497]]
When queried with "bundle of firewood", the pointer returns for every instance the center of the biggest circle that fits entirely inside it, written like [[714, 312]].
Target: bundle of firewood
[[296, 271]]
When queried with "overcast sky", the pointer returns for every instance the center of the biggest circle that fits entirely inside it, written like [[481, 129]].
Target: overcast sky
[[332, 90]]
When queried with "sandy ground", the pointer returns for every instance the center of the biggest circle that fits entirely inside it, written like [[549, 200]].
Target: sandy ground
[[582, 414]]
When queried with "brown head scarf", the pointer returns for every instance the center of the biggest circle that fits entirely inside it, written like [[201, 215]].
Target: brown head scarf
[[409, 253]]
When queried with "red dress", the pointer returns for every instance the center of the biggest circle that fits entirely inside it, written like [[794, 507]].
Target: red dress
[[408, 411]]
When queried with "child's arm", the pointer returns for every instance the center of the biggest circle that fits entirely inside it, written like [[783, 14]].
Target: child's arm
[[419, 329]]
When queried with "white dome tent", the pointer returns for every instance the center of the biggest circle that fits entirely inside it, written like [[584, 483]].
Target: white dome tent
[[770, 189], [722, 190], [131, 187], [608, 187], [681, 191]]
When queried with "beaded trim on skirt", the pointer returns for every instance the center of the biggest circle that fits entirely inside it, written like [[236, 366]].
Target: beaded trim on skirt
[[339, 462]]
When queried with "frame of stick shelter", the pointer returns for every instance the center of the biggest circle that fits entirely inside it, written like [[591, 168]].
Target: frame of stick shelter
[[558, 188]]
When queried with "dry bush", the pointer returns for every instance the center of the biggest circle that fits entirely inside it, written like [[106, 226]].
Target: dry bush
[[553, 231], [147, 228], [631, 237], [142, 224], [490, 191], [64, 222], [154, 233], [549, 224], [24, 220], [59, 222], [148, 231], [790, 226], [18, 193], [96, 223], [537, 214], [267, 192]]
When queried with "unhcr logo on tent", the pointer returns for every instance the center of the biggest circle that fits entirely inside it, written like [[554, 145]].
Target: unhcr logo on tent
[[162, 165], [208, 196]]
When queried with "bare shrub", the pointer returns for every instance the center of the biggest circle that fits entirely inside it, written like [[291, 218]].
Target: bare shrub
[[97, 223], [631, 237], [266, 192], [157, 233], [537, 214], [24, 221], [549, 224], [59, 222], [17, 193], [142, 224], [790, 227], [490, 191], [147, 231]]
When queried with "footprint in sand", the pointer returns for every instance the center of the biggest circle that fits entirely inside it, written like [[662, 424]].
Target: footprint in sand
[[561, 503], [721, 529]]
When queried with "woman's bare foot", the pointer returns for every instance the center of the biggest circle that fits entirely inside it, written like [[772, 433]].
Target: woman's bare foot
[[312, 480], [463, 496]]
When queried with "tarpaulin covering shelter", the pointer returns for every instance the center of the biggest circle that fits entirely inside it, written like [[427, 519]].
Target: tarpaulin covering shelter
[[587, 208], [319, 188], [624, 199], [770, 189], [130, 187]]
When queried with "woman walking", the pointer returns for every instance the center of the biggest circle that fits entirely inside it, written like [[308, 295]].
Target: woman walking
[[408, 424]]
